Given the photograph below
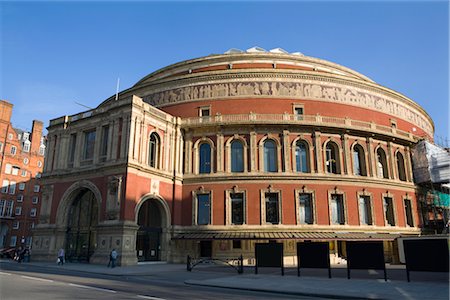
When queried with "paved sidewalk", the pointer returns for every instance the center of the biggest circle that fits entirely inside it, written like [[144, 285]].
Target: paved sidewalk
[[335, 288]]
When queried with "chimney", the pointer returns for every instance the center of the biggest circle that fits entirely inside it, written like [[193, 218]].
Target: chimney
[[5, 111], [36, 134]]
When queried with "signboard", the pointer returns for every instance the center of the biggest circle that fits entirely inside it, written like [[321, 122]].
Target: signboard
[[269, 255], [365, 255], [313, 255]]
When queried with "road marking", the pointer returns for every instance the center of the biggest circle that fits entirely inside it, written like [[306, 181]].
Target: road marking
[[149, 297], [92, 288], [37, 278], [373, 272], [3, 273]]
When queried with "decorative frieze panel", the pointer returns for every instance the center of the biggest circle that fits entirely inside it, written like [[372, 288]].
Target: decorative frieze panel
[[307, 89]]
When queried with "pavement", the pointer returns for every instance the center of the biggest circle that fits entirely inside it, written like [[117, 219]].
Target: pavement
[[313, 284]]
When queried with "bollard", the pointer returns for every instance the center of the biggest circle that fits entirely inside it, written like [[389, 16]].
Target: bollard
[[241, 265], [188, 263]]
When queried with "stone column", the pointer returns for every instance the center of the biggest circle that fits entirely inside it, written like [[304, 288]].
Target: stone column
[[408, 165], [286, 151], [110, 140], [318, 152], [188, 154], [97, 144], [220, 152], [371, 170], [392, 166], [345, 155], [79, 144], [253, 152]]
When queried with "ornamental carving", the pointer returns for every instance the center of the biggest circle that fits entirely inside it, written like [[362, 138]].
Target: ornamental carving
[[311, 91]]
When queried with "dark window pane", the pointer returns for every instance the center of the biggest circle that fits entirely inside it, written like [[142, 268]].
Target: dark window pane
[[237, 157], [272, 208], [389, 211], [237, 208], [205, 158], [301, 157], [203, 209], [270, 156], [89, 142]]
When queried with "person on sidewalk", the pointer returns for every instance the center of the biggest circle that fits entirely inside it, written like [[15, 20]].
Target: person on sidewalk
[[112, 258], [61, 257]]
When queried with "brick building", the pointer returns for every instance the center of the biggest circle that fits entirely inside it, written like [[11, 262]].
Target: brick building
[[22, 162], [209, 156]]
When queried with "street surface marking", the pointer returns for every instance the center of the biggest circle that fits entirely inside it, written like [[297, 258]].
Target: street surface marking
[[373, 272], [3, 273], [149, 297], [92, 288], [37, 278]]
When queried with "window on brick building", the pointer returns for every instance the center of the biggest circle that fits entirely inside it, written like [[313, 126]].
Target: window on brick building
[[408, 213], [16, 225], [153, 150], [1, 147], [2, 207], [205, 158], [337, 209], [9, 208], [13, 241], [332, 163], [89, 143], [23, 173], [382, 170], [272, 208], [18, 211], [35, 200], [33, 212], [13, 150], [365, 210], [237, 208], [301, 157], [359, 162], [8, 168], [26, 146], [305, 207], [389, 211], [39, 164], [237, 156], [270, 156], [15, 170], [104, 142], [401, 167], [20, 198], [5, 186], [36, 188], [203, 209]]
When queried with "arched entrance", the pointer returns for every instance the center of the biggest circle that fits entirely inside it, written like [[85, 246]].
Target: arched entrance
[[153, 220], [81, 226]]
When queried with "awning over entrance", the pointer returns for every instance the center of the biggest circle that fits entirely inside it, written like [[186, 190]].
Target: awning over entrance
[[297, 235]]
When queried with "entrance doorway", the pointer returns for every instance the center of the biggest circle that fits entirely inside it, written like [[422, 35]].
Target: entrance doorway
[[81, 227], [148, 242]]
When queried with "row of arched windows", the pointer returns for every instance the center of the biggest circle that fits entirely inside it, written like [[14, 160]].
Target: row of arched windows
[[301, 156], [302, 159]]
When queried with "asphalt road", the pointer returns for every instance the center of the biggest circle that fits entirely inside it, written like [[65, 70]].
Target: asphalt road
[[22, 281]]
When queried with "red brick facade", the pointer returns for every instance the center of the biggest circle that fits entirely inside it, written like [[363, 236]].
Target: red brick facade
[[22, 161]]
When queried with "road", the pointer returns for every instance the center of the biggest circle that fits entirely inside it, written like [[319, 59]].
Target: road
[[23, 281]]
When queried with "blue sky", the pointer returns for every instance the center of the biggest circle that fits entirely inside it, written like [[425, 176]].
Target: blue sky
[[56, 54]]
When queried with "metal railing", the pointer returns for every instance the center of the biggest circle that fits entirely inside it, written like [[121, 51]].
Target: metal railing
[[317, 120], [235, 263]]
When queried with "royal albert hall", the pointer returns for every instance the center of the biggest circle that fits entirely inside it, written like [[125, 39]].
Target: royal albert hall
[[209, 156]]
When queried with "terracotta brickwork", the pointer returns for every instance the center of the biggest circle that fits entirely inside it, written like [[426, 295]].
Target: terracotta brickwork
[[22, 160], [246, 147]]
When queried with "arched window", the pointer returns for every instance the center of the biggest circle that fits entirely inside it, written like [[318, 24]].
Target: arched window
[[359, 163], [332, 158], [237, 156], [401, 167], [382, 171], [205, 158], [153, 150], [270, 156], [301, 157]]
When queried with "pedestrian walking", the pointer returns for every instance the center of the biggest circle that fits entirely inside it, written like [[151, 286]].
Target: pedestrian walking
[[61, 257], [112, 258]]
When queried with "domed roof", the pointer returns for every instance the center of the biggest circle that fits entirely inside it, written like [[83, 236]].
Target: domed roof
[[253, 58]]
